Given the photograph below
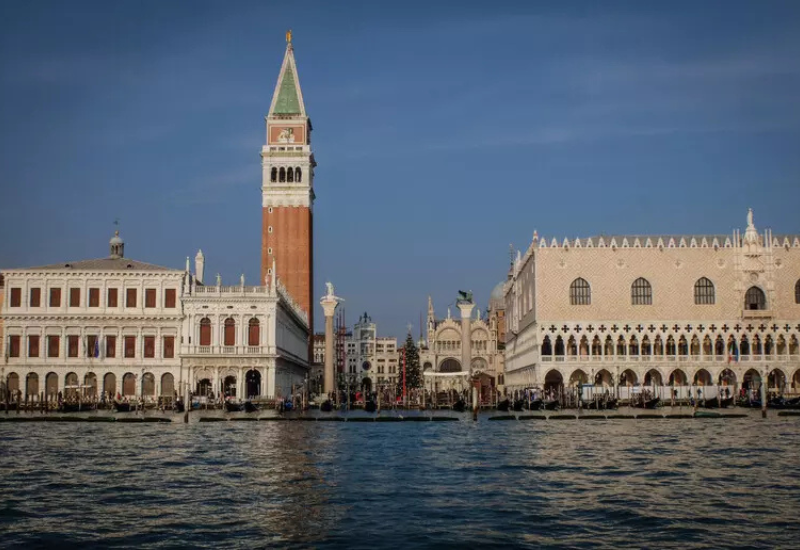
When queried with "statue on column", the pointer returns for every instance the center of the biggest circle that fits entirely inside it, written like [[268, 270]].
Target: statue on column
[[329, 286]]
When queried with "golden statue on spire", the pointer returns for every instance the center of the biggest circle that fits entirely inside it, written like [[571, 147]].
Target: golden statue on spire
[[289, 36]]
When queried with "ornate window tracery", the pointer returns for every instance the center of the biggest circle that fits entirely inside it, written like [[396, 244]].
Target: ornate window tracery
[[641, 292], [704, 292], [580, 294]]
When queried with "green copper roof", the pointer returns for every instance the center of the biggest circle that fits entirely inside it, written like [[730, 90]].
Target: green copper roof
[[288, 102]]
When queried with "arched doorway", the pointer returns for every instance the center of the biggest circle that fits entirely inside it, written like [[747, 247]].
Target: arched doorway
[[229, 386], [702, 378], [603, 378], [678, 378], [12, 384], [578, 378], [129, 385], [751, 380], [71, 387], [450, 365], [777, 381], [366, 384], [32, 384], [167, 385], [90, 380], [110, 384], [796, 380], [204, 387], [553, 383], [727, 378], [148, 385], [252, 380], [51, 384], [628, 378], [653, 378]]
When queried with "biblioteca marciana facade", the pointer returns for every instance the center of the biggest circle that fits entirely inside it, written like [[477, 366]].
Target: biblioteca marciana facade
[[121, 326], [661, 311]]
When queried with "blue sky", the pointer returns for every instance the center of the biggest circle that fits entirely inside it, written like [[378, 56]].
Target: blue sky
[[443, 131]]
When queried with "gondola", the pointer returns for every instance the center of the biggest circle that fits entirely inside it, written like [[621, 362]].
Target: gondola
[[178, 407], [76, 407], [648, 404], [327, 406], [785, 404], [459, 406], [535, 405], [123, 407], [518, 405], [232, 407], [712, 403], [550, 405], [370, 406], [610, 404], [503, 405], [726, 402], [249, 407]]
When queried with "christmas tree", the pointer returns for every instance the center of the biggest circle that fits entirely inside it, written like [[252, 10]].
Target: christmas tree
[[413, 374]]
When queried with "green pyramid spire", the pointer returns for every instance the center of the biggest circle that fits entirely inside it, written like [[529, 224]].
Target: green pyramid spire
[[287, 103]]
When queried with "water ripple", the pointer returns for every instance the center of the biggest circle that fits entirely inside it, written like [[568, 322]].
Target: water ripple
[[607, 484]]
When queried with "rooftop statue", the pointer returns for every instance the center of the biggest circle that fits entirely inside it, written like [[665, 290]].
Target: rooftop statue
[[329, 286], [464, 296]]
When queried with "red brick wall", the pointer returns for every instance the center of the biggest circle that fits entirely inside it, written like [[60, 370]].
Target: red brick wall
[[292, 243]]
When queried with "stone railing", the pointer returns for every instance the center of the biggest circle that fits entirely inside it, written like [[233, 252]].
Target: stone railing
[[785, 358], [231, 290], [227, 350], [294, 306]]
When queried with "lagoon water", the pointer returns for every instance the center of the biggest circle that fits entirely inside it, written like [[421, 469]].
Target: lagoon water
[[700, 483]]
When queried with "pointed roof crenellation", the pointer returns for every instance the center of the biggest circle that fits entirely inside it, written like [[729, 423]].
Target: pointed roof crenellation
[[288, 98]]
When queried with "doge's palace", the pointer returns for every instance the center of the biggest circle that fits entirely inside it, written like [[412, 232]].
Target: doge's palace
[[661, 311]]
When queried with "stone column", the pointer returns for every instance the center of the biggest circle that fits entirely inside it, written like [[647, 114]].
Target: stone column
[[329, 303], [466, 346]]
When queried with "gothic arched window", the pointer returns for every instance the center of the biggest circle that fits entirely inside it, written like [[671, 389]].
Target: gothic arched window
[[797, 292], [298, 175], [641, 292], [579, 293], [282, 175], [290, 174], [754, 298], [205, 331], [703, 292], [273, 174]]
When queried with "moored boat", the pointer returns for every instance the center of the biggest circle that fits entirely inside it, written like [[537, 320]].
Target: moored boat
[[76, 407], [123, 406], [535, 405], [370, 406], [250, 407], [503, 405], [460, 406], [550, 405], [230, 407], [327, 406], [646, 404]]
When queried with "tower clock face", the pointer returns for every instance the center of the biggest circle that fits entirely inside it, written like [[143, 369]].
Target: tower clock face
[[284, 134], [365, 365]]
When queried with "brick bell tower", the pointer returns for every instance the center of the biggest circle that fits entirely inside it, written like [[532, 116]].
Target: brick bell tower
[[287, 190]]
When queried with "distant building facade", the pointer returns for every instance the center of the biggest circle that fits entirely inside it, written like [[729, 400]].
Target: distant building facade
[[656, 310], [371, 360], [442, 353]]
